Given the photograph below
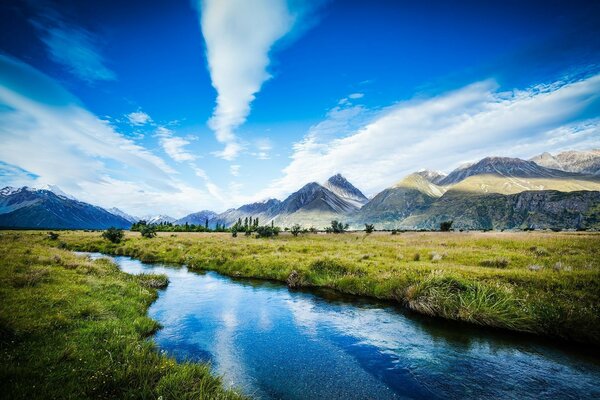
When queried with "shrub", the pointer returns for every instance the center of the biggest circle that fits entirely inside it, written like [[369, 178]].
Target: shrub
[[499, 262], [234, 232], [148, 231], [338, 227], [314, 230], [435, 256], [394, 231], [267, 231], [369, 228], [417, 257], [445, 226], [296, 229], [53, 235], [113, 235]]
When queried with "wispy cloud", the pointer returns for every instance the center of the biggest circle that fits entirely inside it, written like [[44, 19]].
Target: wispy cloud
[[49, 138], [442, 132], [139, 118], [239, 35], [235, 169], [173, 145], [72, 46]]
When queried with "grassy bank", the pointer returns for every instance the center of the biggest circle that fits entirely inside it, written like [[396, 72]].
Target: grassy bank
[[73, 328], [544, 283]]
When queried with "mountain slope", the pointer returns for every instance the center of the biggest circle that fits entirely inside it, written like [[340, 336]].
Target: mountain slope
[[38, 208], [122, 214], [585, 162], [197, 218], [340, 186], [538, 209], [414, 193]]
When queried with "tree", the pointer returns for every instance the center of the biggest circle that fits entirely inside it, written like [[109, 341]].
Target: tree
[[295, 229], [338, 227], [369, 228], [206, 223], [234, 232], [445, 226], [267, 231], [113, 235], [148, 231]]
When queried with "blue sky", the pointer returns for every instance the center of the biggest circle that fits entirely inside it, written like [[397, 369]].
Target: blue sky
[[177, 106]]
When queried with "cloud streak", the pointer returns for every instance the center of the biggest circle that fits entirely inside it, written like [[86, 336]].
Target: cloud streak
[[239, 35]]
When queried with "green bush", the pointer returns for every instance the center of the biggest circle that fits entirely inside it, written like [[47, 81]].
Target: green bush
[[113, 235]]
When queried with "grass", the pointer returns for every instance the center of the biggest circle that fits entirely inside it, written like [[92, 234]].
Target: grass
[[480, 278], [75, 328]]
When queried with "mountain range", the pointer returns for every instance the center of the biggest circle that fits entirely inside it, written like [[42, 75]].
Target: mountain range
[[547, 191]]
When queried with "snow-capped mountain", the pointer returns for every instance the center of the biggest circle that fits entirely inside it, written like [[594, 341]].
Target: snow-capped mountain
[[158, 219], [123, 214], [345, 190], [39, 208], [197, 218], [434, 177], [585, 162]]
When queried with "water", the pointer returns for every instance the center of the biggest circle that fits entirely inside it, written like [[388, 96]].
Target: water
[[273, 343]]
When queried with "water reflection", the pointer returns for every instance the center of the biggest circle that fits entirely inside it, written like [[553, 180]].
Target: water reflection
[[273, 343]]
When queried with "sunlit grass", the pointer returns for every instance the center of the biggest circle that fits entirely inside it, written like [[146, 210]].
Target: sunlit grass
[[541, 282], [75, 328]]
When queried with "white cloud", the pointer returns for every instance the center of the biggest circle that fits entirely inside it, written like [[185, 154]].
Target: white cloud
[[263, 148], [355, 96], [442, 132], [139, 118], [174, 146], [239, 35]]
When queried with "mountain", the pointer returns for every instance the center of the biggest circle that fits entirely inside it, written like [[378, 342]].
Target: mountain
[[122, 214], [264, 210], [529, 209], [197, 218], [57, 191], [39, 208], [340, 186], [412, 194], [585, 162], [503, 166], [434, 177], [158, 219]]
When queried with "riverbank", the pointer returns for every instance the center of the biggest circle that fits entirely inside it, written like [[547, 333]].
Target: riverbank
[[539, 282], [75, 328]]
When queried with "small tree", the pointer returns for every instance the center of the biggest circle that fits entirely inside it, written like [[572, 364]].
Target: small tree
[[267, 231], [338, 227], [148, 231], [369, 228], [445, 226], [296, 229], [234, 232], [113, 235]]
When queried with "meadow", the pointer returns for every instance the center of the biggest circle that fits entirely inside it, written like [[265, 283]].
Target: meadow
[[73, 328], [545, 283]]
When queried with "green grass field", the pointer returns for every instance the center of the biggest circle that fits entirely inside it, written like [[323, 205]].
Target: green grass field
[[540, 282], [71, 328]]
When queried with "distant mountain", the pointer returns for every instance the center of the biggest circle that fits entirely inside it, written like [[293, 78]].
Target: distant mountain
[[345, 190], [122, 214], [503, 166], [39, 208], [158, 219], [585, 162], [197, 218]]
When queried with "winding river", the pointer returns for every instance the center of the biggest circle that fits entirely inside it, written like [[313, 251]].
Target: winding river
[[273, 343]]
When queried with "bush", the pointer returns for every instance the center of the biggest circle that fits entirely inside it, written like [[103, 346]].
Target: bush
[[445, 226], [417, 257], [267, 231], [296, 229], [369, 228], [148, 231], [338, 227], [53, 235], [113, 235], [234, 233]]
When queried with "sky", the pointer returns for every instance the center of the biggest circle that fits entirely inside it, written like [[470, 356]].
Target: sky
[[175, 106]]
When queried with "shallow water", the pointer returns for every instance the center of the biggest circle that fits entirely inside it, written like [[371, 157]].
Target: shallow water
[[274, 343]]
